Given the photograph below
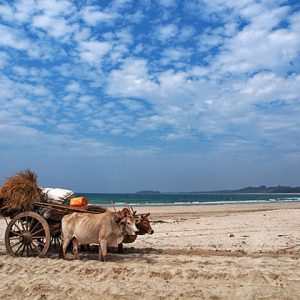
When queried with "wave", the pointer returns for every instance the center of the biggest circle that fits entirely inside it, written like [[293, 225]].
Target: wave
[[189, 203], [186, 199]]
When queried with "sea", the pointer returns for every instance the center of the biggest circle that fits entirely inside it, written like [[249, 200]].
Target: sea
[[137, 199]]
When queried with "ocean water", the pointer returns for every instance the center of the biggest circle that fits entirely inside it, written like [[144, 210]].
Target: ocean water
[[184, 199]]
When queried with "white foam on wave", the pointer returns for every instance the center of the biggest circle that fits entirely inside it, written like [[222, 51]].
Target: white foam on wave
[[187, 203]]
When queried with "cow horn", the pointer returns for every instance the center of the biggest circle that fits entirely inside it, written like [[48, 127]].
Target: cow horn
[[147, 214], [133, 211], [113, 204]]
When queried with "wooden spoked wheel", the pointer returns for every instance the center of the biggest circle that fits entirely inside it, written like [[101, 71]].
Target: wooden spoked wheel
[[27, 234]]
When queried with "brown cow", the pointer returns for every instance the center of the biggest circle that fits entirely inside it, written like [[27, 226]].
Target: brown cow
[[143, 224], [102, 229]]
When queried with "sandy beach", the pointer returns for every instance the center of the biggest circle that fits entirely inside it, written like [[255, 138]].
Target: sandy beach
[[249, 251]]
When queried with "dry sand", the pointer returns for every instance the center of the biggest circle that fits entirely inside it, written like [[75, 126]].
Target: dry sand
[[197, 252]]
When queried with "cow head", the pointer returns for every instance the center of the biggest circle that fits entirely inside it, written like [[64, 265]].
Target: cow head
[[121, 214], [128, 223], [143, 224]]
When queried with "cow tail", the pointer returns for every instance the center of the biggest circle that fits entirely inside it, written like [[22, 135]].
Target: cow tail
[[61, 254]]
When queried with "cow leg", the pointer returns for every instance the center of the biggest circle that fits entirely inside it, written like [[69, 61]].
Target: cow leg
[[75, 248], [65, 243], [103, 250]]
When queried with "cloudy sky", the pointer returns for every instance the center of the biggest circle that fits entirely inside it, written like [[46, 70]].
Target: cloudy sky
[[118, 96]]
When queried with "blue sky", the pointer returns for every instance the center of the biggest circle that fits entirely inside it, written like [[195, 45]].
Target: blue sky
[[118, 96]]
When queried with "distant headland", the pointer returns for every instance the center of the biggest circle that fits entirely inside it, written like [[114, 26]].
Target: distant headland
[[148, 192], [263, 189]]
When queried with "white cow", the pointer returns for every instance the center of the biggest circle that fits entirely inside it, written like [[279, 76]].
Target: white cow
[[103, 229]]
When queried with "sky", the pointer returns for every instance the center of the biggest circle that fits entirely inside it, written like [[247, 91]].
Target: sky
[[169, 95]]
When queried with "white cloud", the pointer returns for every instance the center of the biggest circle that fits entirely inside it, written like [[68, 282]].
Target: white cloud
[[124, 36], [173, 136], [198, 71], [259, 46], [186, 32], [152, 123], [295, 22], [65, 127], [166, 32], [24, 10], [86, 103], [168, 3], [82, 34], [138, 48], [19, 12], [117, 5], [93, 51], [133, 105], [131, 80], [12, 38], [175, 54], [56, 27], [136, 17], [56, 8], [73, 87], [208, 41], [4, 59], [18, 40], [6, 12], [29, 74], [268, 86], [118, 53], [93, 16], [251, 50], [23, 103]]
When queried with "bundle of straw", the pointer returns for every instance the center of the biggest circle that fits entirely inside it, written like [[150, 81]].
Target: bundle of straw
[[20, 192]]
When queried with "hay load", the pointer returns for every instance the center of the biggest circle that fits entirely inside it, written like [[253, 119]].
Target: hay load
[[20, 192]]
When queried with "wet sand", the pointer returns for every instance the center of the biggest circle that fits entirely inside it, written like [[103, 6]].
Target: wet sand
[[248, 251]]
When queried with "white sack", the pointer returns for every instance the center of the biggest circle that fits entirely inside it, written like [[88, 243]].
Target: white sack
[[57, 194]]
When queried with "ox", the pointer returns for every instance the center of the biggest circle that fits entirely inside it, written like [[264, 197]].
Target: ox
[[143, 226], [103, 229], [141, 221]]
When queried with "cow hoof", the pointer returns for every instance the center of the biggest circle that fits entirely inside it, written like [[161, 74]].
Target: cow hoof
[[120, 248]]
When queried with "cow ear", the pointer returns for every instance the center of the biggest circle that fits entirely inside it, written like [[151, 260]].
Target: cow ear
[[147, 214], [118, 219]]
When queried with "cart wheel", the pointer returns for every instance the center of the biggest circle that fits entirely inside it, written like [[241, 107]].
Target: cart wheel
[[27, 234]]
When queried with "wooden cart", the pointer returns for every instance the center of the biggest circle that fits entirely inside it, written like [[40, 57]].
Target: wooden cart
[[31, 233]]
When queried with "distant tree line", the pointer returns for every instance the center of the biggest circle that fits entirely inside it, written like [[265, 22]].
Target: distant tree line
[[264, 189]]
